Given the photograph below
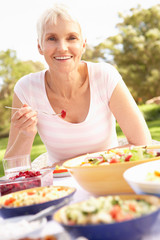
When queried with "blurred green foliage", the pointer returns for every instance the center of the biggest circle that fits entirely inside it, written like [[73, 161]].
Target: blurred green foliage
[[134, 51], [151, 112], [11, 70]]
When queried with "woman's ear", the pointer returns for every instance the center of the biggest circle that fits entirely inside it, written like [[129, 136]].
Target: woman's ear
[[84, 46], [40, 48]]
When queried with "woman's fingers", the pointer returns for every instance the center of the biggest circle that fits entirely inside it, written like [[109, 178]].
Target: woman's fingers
[[26, 122], [19, 113], [24, 117]]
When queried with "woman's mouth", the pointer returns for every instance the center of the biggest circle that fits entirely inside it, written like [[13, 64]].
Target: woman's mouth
[[63, 57]]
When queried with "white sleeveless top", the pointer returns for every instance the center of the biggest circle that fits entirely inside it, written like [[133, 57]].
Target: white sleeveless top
[[65, 140]]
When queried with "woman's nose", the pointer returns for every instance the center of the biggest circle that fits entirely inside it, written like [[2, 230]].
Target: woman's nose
[[62, 45]]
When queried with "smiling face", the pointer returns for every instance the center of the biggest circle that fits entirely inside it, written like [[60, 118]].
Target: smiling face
[[62, 45]]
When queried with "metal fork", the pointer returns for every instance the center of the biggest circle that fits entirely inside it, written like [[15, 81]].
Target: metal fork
[[53, 114]]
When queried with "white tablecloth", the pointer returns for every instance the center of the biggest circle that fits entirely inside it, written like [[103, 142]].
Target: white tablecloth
[[54, 228]]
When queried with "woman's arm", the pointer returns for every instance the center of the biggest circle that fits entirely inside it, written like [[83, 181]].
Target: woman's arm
[[23, 129], [128, 116]]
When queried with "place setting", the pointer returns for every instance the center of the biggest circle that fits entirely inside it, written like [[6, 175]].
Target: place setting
[[29, 199], [101, 196]]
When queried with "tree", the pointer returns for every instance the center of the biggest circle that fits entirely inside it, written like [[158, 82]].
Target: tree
[[94, 53], [136, 51], [11, 69]]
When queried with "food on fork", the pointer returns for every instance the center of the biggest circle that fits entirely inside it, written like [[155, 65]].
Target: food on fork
[[63, 113]]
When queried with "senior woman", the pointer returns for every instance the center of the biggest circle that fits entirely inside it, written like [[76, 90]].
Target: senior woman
[[93, 95]]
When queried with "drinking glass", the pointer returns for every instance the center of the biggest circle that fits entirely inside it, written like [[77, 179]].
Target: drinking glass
[[13, 165]]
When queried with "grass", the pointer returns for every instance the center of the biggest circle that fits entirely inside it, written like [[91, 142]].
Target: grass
[[150, 112]]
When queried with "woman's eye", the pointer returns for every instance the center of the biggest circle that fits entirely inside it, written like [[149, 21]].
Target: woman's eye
[[72, 38], [52, 39]]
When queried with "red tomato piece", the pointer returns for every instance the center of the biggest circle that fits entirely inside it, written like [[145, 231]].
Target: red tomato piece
[[127, 158], [9, 201], [132, 207], [44, 194], [60, 170], [117, 214], [114, 211], [30, 193], [114, 160], [63, 113]]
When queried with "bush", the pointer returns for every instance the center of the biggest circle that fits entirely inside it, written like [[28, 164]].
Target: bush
[[150, 112]]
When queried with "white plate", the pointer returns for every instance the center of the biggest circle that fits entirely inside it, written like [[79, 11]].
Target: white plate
[[136, 178], [19, 227], [58, 175]]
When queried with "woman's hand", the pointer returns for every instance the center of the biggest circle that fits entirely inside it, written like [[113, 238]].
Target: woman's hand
[[25, 119]]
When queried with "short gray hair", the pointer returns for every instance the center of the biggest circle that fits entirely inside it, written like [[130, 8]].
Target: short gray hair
[[50, 16]]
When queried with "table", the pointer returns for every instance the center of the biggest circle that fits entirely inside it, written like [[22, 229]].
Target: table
[[54, 228], [80, 195]]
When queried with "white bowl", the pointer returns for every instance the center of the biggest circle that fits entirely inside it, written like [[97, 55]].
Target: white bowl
[[136, 178]]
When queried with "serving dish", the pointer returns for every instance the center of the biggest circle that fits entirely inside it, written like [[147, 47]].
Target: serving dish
[[133, 229], [142, 180], [33, 200], [25, 180], [105, 178]]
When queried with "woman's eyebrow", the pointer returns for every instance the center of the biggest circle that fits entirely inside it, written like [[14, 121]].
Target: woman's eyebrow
[[56, 35], [51, 33], [73, 33]]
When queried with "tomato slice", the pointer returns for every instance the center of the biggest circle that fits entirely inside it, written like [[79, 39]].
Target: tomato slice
[[60, 170], [9, 201], [30, 193]]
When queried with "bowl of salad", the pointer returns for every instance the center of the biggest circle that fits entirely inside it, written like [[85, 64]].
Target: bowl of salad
[[144, 178], [33, 200], [101, 173], [110, 217]]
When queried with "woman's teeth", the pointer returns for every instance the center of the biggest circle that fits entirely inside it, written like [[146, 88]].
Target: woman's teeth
[[62, 58]]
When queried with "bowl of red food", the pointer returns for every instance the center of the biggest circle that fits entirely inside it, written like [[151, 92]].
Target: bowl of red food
[[25, 180], [127, 217], [102, 172]]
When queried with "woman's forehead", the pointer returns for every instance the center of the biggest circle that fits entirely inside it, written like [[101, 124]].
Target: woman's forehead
[[62, 24]]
